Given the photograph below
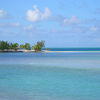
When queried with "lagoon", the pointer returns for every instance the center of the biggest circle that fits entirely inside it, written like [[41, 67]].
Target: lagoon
[[50, 76]]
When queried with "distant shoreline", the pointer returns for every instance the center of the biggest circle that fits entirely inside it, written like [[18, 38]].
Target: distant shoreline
[[48, 51], [16, 51], [43, 51]]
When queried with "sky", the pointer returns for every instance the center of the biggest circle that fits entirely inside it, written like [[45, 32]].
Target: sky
[[60, 23]]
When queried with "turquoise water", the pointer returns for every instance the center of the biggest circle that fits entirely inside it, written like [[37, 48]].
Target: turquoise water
[[50, 76], [74, 49]]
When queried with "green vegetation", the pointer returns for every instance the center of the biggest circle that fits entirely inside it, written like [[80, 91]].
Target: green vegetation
[[38, 46], [13, 46], [8, 46], [25, 46], [4, 45]]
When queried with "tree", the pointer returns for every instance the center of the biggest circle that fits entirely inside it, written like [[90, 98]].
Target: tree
[[13, 46], [22, 46], [38, 46], [4, 45], [25, 46]]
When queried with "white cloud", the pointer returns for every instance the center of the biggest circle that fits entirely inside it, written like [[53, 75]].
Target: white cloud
[[28, 28], [15, 24], [3, 14], [36, 14], [73, 20], [94, 29]]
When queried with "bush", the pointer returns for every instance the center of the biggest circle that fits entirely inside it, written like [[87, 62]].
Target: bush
[[38, 46], [4, 45], [25, 46]]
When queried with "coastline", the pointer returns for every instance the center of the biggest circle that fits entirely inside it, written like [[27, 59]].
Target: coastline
[[43, 51], [18, 51], [47, 51]]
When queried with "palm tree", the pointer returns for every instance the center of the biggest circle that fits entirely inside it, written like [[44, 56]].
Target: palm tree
[[38, 46]]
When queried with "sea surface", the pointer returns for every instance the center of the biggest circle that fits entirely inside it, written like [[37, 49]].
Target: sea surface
[[50, 76], [73, 49]]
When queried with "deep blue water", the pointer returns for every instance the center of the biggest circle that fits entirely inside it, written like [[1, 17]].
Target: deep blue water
[[50, 76]]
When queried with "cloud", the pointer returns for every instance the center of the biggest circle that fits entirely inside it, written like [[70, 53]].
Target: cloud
[[65, 21], [71, 21], [97, 11], [3, 14], [14, 24], [94, 29], [28, 28], [34, 15], [86, 29]]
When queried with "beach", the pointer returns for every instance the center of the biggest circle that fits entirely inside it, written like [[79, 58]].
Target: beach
[[48, 51]]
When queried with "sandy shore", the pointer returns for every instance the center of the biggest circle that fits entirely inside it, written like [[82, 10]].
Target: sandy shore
[[47, 51], [17, 51]]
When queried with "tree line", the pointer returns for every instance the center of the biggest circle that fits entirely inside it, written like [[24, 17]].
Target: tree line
[[5, 45]]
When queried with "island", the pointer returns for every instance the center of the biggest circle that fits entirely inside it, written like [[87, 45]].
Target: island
[[6, 46]]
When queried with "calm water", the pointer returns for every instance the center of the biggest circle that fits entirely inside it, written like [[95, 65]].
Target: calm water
[[50, 76], [74, 49]]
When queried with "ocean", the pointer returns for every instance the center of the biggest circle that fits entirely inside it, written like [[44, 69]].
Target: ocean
[[50, 76], [73, 49]]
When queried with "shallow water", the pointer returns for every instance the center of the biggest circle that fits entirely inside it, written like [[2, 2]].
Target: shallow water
[[50, 76]]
